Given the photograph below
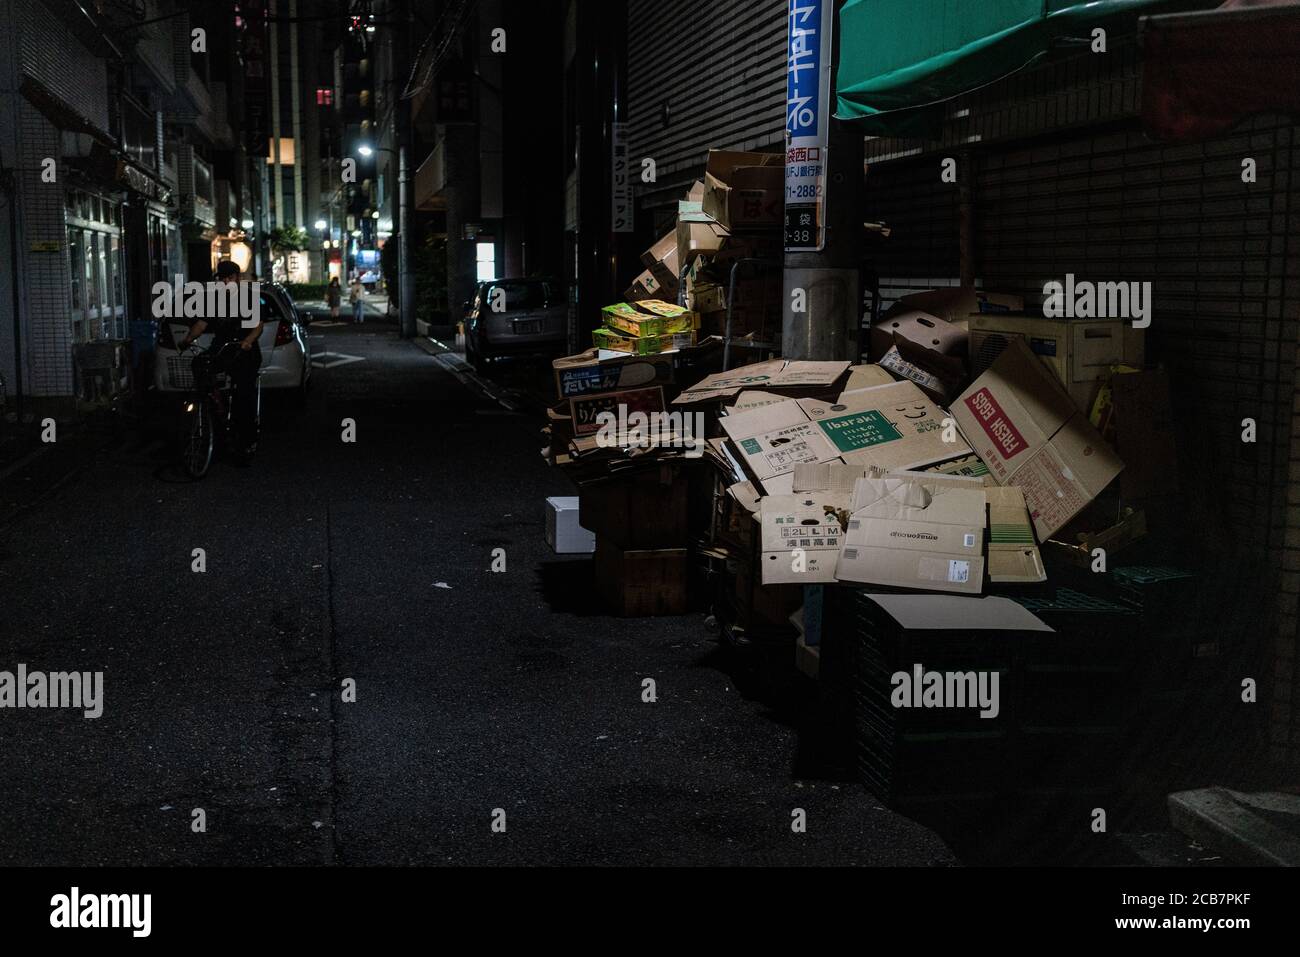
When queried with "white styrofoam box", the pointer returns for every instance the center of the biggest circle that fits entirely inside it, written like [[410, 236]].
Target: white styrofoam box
[[563, 533]]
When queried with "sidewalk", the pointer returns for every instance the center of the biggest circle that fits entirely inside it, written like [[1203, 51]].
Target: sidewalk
[[31, 470], [375, 306]]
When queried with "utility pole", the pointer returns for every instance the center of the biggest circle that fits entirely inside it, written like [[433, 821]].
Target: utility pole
[[402, 106], [823, 223]]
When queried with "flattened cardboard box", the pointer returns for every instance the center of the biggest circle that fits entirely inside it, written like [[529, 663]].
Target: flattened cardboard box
[[1030, 434], [905, 534], [773, 439], [586, 373], [772, 374], [755, 399], [585, 411], [891, 426], [906, 513], [1010, 552], [834, 476], [808, 523]]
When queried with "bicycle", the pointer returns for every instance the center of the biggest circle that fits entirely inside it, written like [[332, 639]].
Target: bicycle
[[207, 409]]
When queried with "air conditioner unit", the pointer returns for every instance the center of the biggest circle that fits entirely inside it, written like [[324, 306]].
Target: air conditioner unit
[[1079, 351]]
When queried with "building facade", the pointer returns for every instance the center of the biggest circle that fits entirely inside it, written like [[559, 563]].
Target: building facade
[[123, 164]]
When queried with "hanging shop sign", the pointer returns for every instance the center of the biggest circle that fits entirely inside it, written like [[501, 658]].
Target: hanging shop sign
[[807, 121], [621, 182]]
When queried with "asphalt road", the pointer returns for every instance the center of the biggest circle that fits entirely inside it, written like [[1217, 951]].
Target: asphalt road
[[369, 561]]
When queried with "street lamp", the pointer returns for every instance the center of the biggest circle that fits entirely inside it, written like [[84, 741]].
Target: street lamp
[[321, 226], [405, 274]]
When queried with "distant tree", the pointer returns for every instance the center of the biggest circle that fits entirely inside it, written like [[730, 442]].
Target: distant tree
[[429, 263], [287, 239]]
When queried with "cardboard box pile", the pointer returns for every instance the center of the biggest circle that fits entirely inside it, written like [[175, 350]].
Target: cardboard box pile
[[733, 214], [824, 473], [613, 433], [901, 474], [875, 485]]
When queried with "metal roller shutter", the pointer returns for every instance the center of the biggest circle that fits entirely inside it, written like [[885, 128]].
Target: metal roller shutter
[[702, 74], [1063, 181]]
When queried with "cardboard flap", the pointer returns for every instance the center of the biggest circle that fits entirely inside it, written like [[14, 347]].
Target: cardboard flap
[[921, 329], [914, 495], [810, 372], [755, 399], [1091, 462], [836, 476], [725, 164], [958, 613], [866, 376], [772, 374], [745, 495], [936, 479], [900, 500], [957, 303], [766, 418], [1042, 399]]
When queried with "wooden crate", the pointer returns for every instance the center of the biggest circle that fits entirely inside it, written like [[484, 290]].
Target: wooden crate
[[639, 583]]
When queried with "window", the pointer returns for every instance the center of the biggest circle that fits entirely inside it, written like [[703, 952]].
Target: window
[[324, 96], [96, 273], [76, 270], [485, 261], [529, 294], [91, 246], [286, 151], [116, 286]]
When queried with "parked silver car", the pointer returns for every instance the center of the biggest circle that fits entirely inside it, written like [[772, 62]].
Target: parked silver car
[[515, 317]]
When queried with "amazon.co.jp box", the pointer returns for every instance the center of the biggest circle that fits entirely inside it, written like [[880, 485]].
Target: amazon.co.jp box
[[907, 534]]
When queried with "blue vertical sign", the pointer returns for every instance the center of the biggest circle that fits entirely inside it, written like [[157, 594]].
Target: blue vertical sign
[[807, 101]]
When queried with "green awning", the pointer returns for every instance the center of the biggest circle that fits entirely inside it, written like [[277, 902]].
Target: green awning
[[900, 59]]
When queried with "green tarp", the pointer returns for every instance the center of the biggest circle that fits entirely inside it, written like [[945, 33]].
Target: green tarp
[[899, 59]]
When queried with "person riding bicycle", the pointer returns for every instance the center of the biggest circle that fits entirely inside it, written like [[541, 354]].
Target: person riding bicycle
[[241, 364]]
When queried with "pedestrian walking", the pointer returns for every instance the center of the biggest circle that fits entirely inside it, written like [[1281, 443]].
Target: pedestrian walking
[[356, 296], [334, 296]]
